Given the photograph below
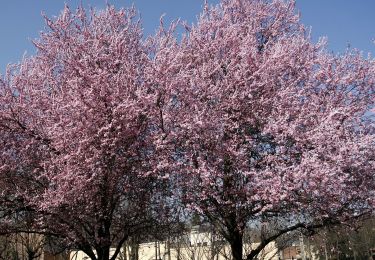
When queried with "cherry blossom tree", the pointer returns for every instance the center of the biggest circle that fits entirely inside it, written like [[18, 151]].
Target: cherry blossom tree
[[263, 125], [250, 121], [77, 127]]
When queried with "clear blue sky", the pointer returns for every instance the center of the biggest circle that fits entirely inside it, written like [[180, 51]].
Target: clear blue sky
[[342, 21]]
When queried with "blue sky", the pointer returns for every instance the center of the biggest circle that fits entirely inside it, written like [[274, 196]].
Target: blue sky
[[344, 22]]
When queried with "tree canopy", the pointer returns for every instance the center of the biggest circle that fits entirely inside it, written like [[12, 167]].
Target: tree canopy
[[245, 117]]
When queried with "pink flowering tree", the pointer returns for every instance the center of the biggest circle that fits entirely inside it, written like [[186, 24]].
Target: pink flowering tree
[[252, 122], [77, 127], [265, 127]]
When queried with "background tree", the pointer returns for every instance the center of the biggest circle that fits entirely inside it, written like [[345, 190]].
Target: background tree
[[21, 246], [7, 250], [262, 124], [346, 242]]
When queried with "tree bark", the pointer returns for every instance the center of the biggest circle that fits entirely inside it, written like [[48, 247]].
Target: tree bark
[[236, 245], [103, 253], [156, 250]]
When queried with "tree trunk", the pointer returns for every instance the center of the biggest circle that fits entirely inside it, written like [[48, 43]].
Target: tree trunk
[[236, 246], [137, 251], [30, 255], [212, 251], [103, 253], [178, 249], [168, 249]]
